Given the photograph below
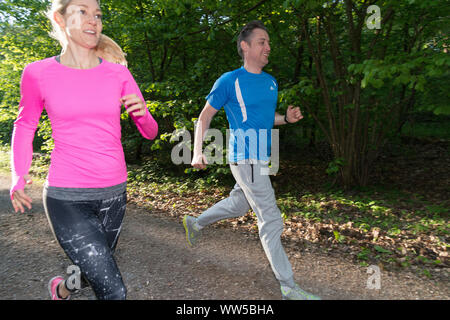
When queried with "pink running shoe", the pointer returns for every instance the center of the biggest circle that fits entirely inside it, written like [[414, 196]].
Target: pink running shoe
[[53, 288]]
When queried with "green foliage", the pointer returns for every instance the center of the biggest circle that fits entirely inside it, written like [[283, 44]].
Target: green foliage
[[335, 166], [177, 49]]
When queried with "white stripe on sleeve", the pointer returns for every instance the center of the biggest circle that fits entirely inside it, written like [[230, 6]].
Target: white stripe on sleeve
[[240, 100]]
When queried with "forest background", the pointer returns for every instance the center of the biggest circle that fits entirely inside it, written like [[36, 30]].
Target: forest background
[[365, 173]]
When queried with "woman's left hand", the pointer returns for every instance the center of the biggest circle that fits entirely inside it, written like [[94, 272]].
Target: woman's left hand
[[134, 105]]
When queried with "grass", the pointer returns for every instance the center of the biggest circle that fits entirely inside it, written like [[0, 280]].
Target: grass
[[381, 223], [4, 158], [366, 213]]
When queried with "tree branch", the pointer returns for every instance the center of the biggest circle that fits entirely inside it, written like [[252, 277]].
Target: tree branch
[[220, 23]]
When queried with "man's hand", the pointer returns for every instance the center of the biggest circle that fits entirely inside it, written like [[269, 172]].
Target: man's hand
[[199, 161], [293, 114]]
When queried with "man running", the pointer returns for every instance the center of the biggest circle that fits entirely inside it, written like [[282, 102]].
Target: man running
[[249, 97]]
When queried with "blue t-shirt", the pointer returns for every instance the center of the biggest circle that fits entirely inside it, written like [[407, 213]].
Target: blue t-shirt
[[249, 100]]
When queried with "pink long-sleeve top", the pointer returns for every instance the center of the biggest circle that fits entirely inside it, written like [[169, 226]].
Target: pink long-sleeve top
[[84, 109]]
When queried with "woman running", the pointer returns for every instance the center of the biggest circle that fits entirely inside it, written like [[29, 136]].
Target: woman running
[[85, 192]]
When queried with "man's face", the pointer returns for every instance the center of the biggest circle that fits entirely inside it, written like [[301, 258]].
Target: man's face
[[257, 50]]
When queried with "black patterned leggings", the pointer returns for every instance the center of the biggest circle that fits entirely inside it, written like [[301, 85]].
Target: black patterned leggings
[[88, 232]]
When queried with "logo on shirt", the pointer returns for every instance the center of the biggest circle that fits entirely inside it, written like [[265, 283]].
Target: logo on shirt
[[274, 86]]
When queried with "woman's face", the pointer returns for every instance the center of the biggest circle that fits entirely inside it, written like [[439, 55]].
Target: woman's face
[[82, 23]]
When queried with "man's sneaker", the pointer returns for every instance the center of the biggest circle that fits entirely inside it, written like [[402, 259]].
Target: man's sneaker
[[53, 288], [192, 232], [297, 293]]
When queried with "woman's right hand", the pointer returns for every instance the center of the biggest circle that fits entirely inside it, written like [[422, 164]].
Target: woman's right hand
[[20, 199]]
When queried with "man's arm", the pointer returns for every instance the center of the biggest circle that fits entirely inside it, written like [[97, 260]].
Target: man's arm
[[293, 114], [279, 119], [203, 123]]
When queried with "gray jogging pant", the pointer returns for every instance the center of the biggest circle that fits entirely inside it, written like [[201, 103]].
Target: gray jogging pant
[[254, 190]]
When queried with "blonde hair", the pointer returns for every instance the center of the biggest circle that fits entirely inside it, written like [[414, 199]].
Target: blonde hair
[[109, 50], [106, 47]]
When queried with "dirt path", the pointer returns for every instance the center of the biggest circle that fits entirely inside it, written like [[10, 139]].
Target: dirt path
[[157, 264]]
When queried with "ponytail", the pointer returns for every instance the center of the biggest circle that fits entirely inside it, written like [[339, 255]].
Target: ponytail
[[110, 51]]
